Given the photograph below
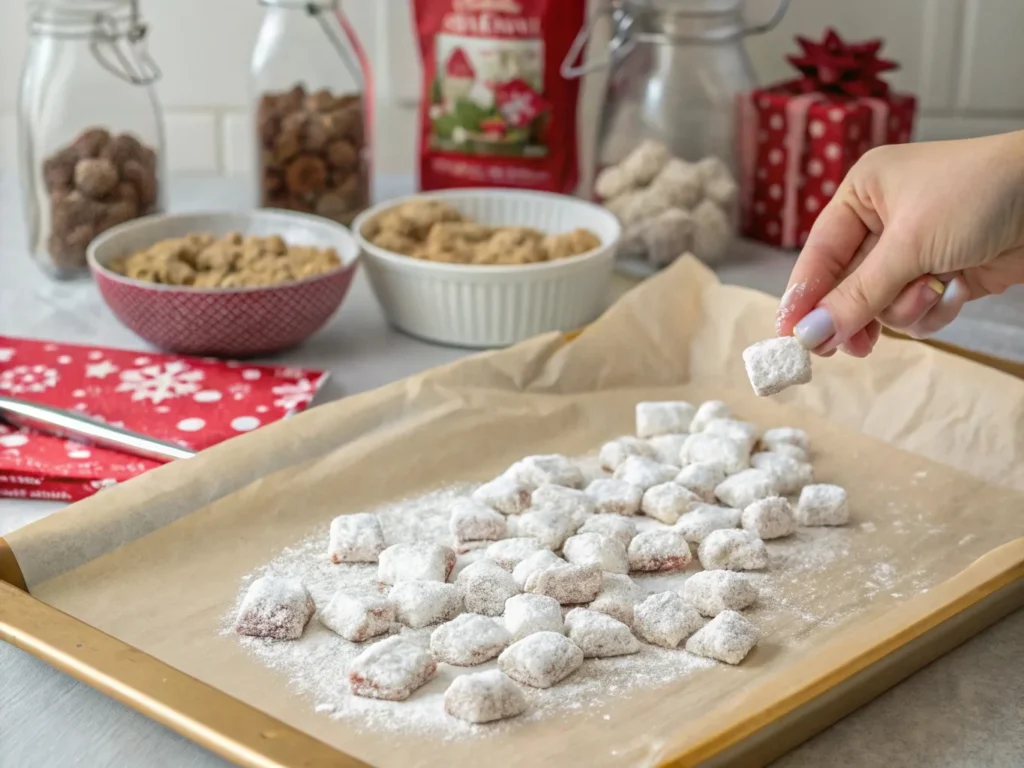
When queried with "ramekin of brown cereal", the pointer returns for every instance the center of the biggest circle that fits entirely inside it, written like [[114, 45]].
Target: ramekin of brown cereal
[[225, 284], [485, 268]]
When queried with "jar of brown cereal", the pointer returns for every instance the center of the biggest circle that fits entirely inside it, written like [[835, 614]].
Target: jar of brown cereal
[[309, 76], [91, 132]]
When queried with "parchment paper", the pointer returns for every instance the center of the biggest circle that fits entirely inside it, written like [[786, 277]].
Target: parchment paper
[[157, 561]]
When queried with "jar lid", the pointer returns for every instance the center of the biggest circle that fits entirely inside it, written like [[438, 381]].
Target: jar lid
[[302, 5], [82, 18], [695, 7]]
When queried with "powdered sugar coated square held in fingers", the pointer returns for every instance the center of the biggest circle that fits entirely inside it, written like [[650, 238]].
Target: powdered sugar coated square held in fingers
[[775, 364]]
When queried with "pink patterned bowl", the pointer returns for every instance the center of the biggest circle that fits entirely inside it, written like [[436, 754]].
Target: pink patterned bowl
[[224, 322]]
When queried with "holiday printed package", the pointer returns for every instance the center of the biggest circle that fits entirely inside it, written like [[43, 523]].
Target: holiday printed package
[[496, 110], [193, 402], [797, 139]]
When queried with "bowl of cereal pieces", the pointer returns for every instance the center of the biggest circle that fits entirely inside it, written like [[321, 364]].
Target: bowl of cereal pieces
[[225, 284], [485, 268]]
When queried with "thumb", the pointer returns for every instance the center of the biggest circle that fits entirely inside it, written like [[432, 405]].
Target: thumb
[[861, 296]]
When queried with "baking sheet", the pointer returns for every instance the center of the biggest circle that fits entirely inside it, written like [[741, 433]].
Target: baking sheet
[[137, 562]]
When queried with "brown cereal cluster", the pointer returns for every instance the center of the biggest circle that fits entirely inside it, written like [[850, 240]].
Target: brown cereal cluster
[[434, 231], [232, 261], [94, 183], [312, 147]]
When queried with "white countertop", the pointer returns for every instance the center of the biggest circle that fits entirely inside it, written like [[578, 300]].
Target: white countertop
[[965, 710]]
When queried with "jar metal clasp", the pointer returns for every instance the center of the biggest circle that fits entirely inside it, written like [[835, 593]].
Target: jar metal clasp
[[624, 39], [135, 65]]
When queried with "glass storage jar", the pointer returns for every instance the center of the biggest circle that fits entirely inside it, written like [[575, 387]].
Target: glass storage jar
[[675, 68], [311, 110], [90, 128]]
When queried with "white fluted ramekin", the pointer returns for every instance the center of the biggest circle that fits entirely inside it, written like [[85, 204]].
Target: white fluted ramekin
[[482, 306]]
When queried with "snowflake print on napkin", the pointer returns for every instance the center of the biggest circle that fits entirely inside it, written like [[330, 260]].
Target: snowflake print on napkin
[[194, 402]]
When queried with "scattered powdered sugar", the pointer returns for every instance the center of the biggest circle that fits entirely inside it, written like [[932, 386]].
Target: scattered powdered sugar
[[789, 592]]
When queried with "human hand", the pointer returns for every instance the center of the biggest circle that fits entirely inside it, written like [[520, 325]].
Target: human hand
[[913, 233]]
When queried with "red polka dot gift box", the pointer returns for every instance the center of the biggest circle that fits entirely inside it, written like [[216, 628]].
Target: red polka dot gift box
[[193, 402], [797, 139]]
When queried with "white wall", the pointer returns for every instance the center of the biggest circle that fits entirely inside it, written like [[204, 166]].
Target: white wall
[[962, 57]]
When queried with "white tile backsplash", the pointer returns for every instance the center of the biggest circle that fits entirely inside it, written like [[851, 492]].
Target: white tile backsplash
[[237, 140], [192, 142], [993, 38], [959, 56]]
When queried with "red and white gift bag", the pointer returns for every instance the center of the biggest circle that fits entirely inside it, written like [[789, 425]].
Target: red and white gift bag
[[193, 402], [797, 140]]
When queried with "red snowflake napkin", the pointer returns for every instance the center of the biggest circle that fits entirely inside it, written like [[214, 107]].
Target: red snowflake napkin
[[193, 402]]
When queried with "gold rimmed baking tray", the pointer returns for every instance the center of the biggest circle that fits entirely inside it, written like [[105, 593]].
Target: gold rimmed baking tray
[[103, 574]]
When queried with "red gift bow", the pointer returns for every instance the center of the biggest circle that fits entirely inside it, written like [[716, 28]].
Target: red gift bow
[[837, 67]]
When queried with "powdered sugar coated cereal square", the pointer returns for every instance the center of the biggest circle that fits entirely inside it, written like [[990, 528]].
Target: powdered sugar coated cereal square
[[548, 525], [665, 619], [667, 448], [615, 497], [663, 549], [391, 670], [794, 452], [644, 473], [468, 640], [667, 501], [617, 598], [702, 448], [663, 418], [701, 478], [615, 526], [275, 608], [508, 553], [770, 518], [569, 585], [741, 431], [695, 526], [712, 592], [775, 364], [422, 603], [486, 586], [505, 494], [356, 539], [526, 614], [790, 475], [596, 549], [744, 488], [728, 637], [484, 697], [732, 550], [472, 521], [777, 436], [822, 504], [358, 618], [615, 452], [549, 469], [538, 561], [415, 561], [540, 660], [708, 410], [576, 504], [599, 635]]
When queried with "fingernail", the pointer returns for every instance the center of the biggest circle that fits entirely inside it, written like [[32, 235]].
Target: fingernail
[[936, 285], [956, 293], [815, 329]]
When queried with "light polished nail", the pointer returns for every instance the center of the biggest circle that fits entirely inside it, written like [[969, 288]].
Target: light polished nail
[[956, 293], [936, 285], [815, 329]]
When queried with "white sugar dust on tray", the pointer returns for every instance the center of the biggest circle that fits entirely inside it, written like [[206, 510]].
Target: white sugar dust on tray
[[561, 584]]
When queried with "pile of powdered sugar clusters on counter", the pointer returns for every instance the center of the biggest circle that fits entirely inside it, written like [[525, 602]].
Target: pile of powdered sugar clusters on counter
[[558, 584]]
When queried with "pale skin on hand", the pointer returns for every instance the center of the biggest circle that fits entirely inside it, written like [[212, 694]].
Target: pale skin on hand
[[913, 233]]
